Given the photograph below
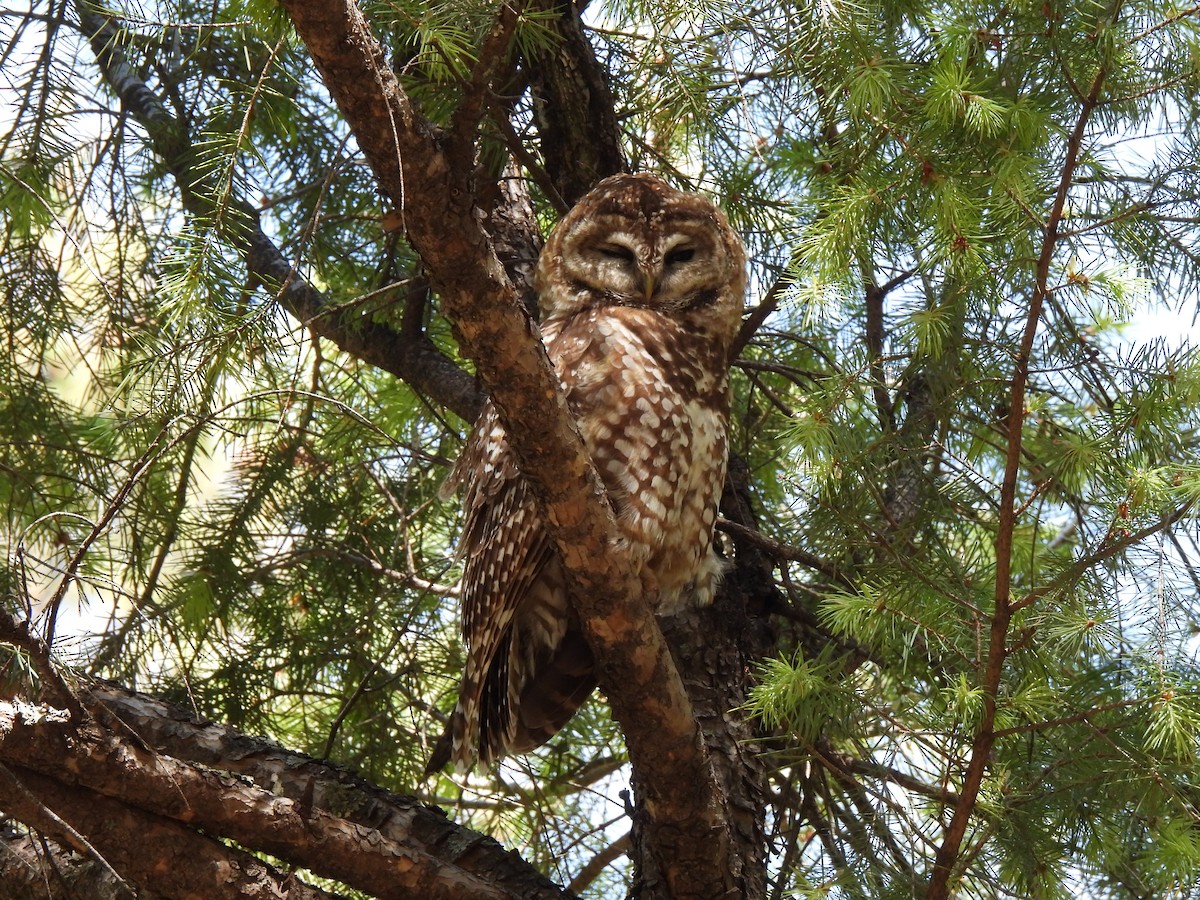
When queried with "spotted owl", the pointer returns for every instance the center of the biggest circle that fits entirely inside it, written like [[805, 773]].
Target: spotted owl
[[640, 289]]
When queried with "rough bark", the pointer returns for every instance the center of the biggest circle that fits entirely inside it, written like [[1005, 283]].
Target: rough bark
[[185, 776], [35, 868], [577, 123], [161, 857]]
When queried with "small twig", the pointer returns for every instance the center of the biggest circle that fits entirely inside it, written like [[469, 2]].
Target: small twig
[[775, 400], [780, 550], [359, 690], [798, 377]]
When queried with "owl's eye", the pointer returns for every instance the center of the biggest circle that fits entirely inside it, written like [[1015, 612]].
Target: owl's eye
[[680, 255], [616, 251]]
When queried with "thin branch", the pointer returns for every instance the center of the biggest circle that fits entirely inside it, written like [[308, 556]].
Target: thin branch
[[419, 363], [887, 773], [598, 863], [780, 550], [873, 298], [947, 859], [1168, 20], [757, 316]]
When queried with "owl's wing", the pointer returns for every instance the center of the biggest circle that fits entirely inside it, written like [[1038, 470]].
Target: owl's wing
[[505, 551]]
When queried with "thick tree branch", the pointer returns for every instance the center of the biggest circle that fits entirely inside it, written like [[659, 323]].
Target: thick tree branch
[[32, 867], [437, 202], [33, 812], [144, 755], [411, 357], [167, 858]]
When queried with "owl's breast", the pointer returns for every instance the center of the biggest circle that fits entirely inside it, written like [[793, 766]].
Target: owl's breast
[[652, 412]]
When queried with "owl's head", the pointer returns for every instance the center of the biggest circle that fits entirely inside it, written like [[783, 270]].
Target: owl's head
[[635, 241]]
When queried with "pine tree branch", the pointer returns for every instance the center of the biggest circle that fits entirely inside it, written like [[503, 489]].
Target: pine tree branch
[[873, 331], [33, 812], [33, 867], [412, 358], [146, 756], [689, 823], [154, 853], [469, 113], [947, 858]]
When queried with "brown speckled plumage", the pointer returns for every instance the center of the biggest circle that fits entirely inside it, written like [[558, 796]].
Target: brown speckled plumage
[[641, 290]]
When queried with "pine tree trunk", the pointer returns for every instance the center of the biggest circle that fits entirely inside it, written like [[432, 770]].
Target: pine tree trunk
[[714, 649]]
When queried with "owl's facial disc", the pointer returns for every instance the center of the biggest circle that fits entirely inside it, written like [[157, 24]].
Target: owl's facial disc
[[644, 270]]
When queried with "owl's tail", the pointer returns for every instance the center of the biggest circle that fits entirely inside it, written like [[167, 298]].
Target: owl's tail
[[554, 694], [518, 705]]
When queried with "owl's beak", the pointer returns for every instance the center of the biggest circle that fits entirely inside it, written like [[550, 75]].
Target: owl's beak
[[649, 284]]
